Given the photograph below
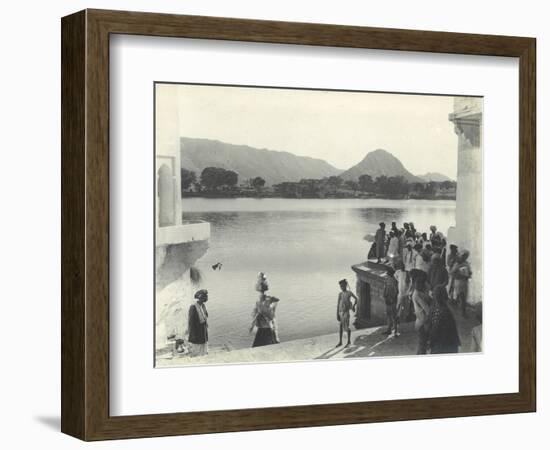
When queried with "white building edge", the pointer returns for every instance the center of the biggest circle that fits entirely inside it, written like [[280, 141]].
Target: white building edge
[[178, 244], [468, 232]]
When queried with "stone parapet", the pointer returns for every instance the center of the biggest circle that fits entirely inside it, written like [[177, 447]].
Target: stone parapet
[[185, 232]]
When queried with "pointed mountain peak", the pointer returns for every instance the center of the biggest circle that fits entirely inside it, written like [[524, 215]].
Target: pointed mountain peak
[[380, 153], [377, 163]]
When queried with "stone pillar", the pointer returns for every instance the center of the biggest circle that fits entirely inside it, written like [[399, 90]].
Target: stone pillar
[[166, 197], [168, 145], [468, 232]]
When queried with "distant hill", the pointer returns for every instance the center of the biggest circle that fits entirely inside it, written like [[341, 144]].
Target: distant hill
[[434, 176], [273, 166], [377, 163]]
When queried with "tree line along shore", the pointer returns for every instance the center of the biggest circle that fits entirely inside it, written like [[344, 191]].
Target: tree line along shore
[[216, 182]]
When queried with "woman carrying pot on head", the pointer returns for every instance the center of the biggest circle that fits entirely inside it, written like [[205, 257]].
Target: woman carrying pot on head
[[263, 315]]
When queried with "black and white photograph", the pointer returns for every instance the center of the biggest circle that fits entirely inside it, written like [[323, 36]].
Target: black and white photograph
[[252, 225], [302, 224]]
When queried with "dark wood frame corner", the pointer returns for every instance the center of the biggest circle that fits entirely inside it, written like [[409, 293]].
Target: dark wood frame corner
[[85, 224]]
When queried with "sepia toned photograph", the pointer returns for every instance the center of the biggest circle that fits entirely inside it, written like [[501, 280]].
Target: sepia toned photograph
[[300, 224]]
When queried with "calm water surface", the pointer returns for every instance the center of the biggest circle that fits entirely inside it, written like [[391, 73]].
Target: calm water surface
[[303, 245]]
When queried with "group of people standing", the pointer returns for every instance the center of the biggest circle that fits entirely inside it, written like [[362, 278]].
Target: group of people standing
[[413, 250], [429, 306], [422, 282]]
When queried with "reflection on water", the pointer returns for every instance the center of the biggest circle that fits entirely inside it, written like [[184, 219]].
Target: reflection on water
[[304, 246]]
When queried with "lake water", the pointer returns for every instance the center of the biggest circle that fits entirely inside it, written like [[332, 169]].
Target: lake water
[[303, 245]]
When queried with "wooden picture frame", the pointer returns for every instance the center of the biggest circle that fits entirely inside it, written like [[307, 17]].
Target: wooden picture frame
[[85, 224]]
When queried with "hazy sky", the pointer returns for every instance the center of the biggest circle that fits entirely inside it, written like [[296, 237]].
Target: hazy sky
[[339, 127]]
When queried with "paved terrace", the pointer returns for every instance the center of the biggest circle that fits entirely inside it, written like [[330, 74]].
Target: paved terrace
[[366, 343]]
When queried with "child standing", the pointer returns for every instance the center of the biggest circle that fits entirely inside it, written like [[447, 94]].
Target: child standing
[[343, 309]]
